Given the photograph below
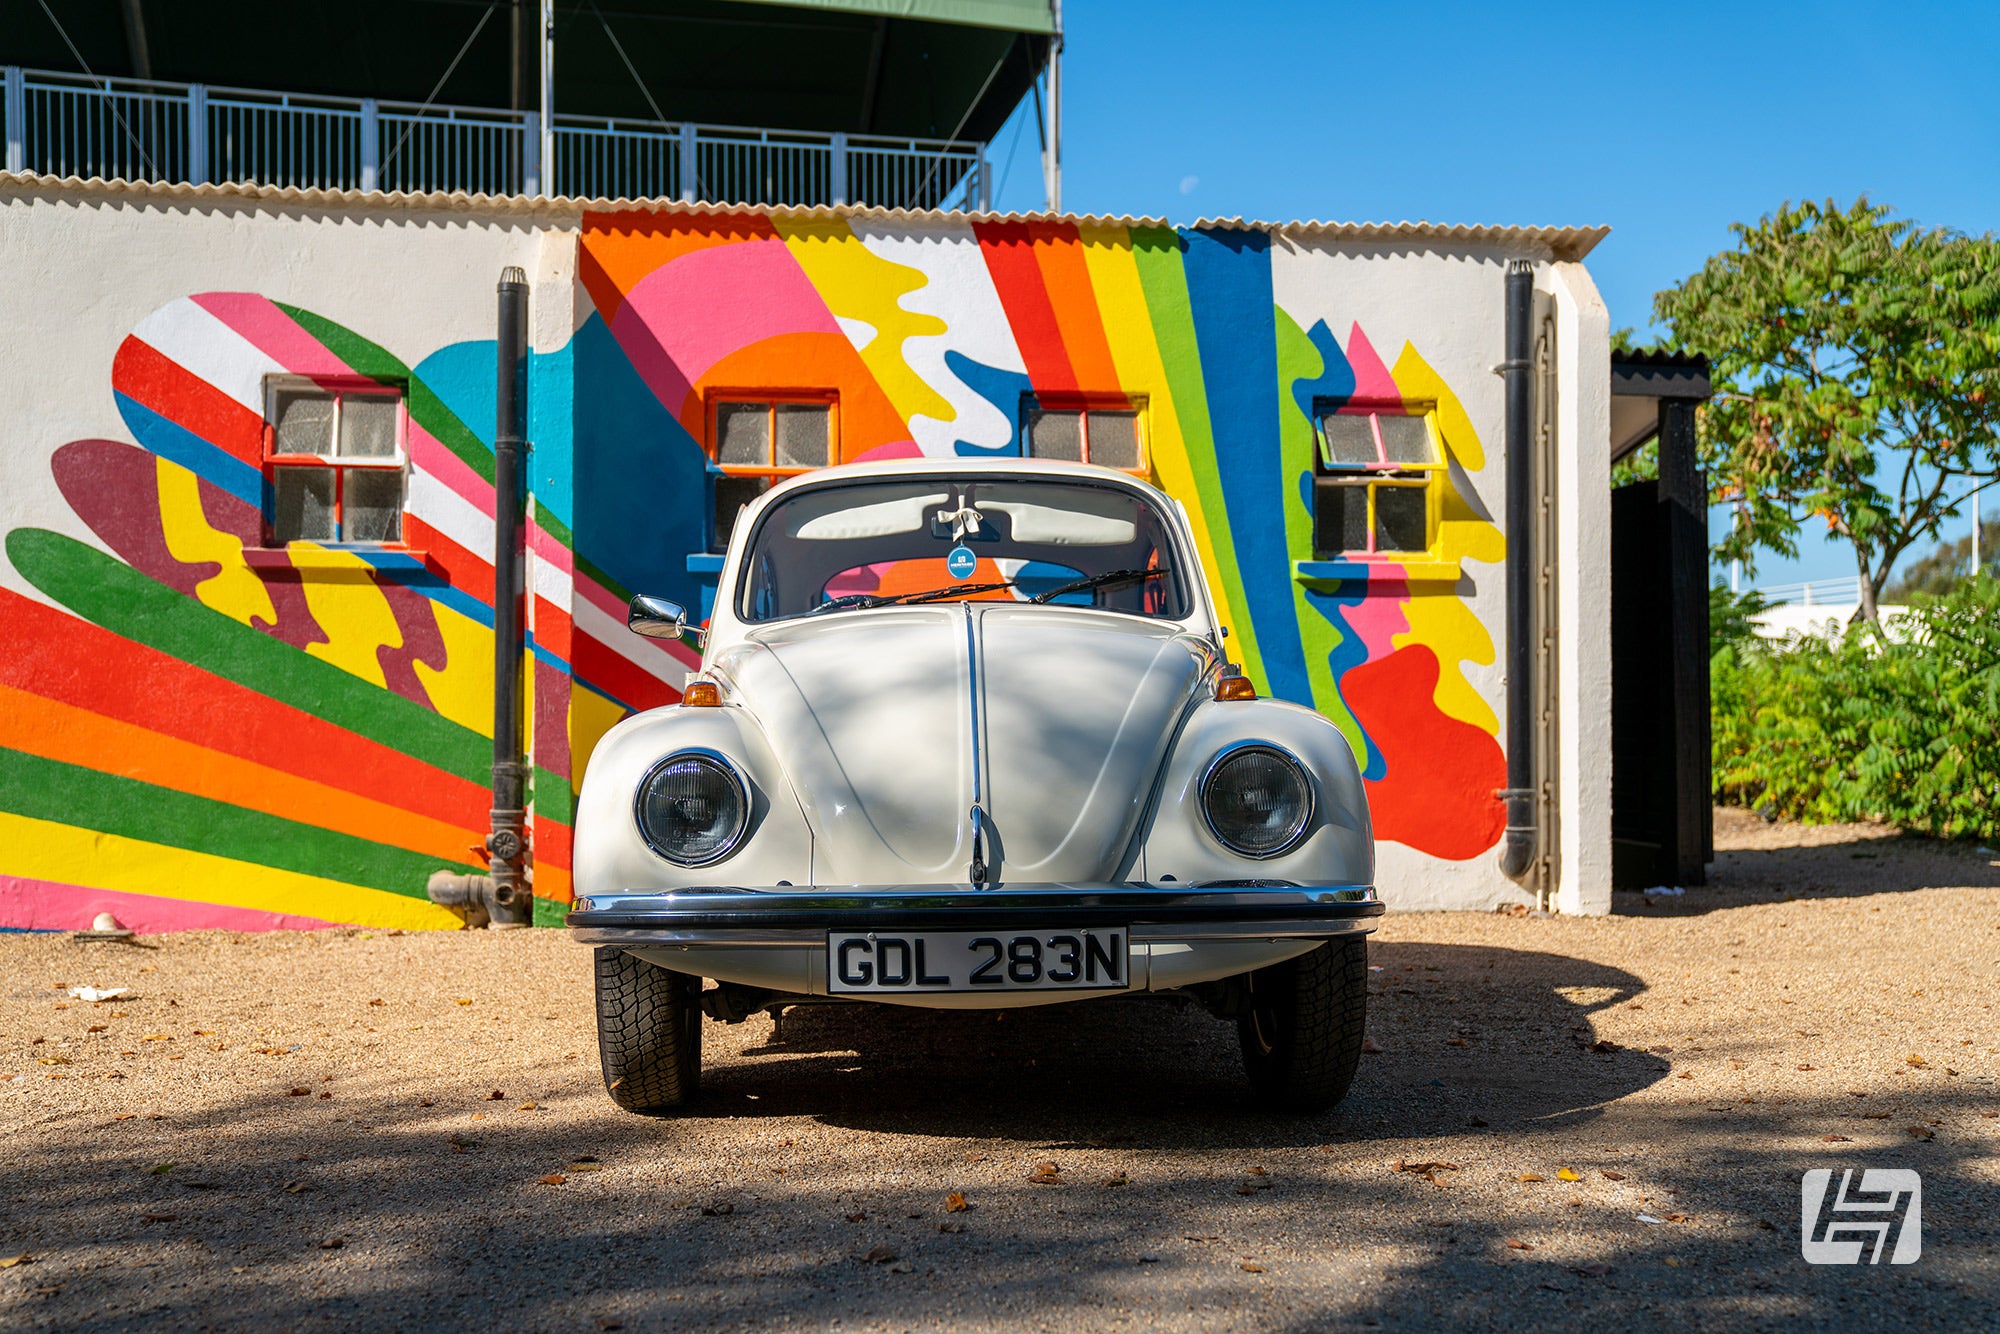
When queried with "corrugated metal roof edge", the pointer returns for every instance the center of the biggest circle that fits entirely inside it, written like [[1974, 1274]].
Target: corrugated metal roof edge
[[1562, 243]]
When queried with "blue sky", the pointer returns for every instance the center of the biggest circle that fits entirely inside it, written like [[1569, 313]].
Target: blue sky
[[1666, 122]]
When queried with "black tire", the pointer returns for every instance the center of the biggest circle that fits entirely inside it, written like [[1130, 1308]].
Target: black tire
[[648, 1033], [1303, 1026]]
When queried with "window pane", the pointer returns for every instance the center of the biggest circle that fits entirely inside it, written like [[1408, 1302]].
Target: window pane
[[368, 427], [743, 434], [304, 508], [1340, 517], [1056, 435], [304, 423], [1399, 518], [1406, 440], [804, 435], [371, 509], [1349, 441], [1114, 439], [731, 495]]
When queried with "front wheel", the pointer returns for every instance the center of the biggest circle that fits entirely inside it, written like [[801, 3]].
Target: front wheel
[[648, 1033], [1303, 1025]]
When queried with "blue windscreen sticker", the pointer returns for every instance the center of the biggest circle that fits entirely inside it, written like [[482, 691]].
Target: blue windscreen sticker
[[961, 562]]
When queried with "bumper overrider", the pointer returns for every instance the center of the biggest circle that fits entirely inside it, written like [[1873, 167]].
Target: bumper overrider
[[737, 915]]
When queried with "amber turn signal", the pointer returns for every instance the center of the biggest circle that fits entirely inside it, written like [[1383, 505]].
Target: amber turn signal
[[702, 695], [1232, 684]]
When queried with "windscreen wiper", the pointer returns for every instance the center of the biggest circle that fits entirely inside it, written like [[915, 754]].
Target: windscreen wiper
[[1104, 580], [852, 600]]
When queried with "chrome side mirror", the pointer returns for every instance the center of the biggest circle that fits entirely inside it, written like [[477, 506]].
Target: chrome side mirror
[[657, 618]]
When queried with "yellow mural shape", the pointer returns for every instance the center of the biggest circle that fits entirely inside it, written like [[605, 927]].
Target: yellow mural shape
[[65, 854], [861, 286], [236, 591]]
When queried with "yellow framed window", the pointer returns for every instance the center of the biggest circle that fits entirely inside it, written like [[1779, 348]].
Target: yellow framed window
[[1375, 490]]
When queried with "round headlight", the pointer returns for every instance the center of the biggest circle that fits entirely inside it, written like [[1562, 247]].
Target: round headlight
[[693, 808], [1257, 800]]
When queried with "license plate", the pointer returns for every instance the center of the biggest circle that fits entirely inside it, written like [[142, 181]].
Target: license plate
[[974, 961]]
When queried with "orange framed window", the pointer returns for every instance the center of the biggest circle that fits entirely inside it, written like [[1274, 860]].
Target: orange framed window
[[1375, 480], [336, 461], [756, 439], [1105, 429]]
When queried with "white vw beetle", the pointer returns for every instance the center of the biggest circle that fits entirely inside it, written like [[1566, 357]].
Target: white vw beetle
[[964, 736]]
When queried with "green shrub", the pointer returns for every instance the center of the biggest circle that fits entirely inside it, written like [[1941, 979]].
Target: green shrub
[[1903, 729]]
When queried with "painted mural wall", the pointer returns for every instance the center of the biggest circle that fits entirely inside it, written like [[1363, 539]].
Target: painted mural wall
[[201, 728]]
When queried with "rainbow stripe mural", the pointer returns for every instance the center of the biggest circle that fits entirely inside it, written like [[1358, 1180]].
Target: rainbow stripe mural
[[199, 731]]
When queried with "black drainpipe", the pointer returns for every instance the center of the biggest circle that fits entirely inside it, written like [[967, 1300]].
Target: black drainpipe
[[505, 895], [508, 842], [1517, 852]]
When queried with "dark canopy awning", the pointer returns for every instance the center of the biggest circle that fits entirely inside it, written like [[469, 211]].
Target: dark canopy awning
[[924, 68]]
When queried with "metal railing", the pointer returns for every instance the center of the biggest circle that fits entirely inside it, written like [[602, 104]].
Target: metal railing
[[148, 130]]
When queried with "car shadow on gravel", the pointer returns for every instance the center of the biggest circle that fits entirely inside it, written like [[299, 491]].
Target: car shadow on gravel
[[1463, 1034]]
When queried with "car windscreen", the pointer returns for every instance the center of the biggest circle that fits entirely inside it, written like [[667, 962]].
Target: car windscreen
[[913, 540]]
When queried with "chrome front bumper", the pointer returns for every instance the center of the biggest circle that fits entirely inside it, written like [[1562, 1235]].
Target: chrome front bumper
[[737, 916]]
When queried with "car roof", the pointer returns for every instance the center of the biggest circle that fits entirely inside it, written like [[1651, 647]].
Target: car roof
[[1012, 466]]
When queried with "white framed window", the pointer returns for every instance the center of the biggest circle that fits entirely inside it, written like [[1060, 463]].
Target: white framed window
[[335, 461], [1375, 490]]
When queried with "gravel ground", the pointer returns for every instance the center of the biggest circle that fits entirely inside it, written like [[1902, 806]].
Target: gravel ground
[[373, 1130]]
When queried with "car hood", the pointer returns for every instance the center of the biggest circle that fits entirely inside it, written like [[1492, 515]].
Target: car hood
[[892, 722]]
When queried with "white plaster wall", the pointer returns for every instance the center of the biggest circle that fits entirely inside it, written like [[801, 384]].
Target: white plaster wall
[[82, 266], [1449, 304], [1583, 593]]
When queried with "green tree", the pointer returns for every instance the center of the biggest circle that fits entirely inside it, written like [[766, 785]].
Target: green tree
[[1949, 564], [1856, 362]]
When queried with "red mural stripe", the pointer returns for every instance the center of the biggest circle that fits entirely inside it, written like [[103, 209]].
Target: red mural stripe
[[1436, 793], [1009, 251], [72, 661], [142, 372], [613, 675], [1066, 278], [467, 572]]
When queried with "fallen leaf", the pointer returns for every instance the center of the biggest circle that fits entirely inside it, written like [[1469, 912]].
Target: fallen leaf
[[1605, 1046], [1679, 1218], [1875, 1116], [878, 1255], [97, 1028], [1251, 1267], [1530, 1176], [466, 1001], [1568, 1174], [553, 1179], [1921, 1132], [1116, 1179], [160, 1169], [859, 1216], [585, 1165], [1046, 1174], [954, 1203], [10, 1261], [296, 1187], [1808, 1067], [326, 1095], [496, 1096], [158, 1218], [1454, 1042], [1515, 1244], [1610, 1175], [332, 1244], [1836, 1139], [1671, 1261], [1368, 1046], [607, 1323], [528, 1106], [1915, 1061], [378, 1001], [720, 1209]]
